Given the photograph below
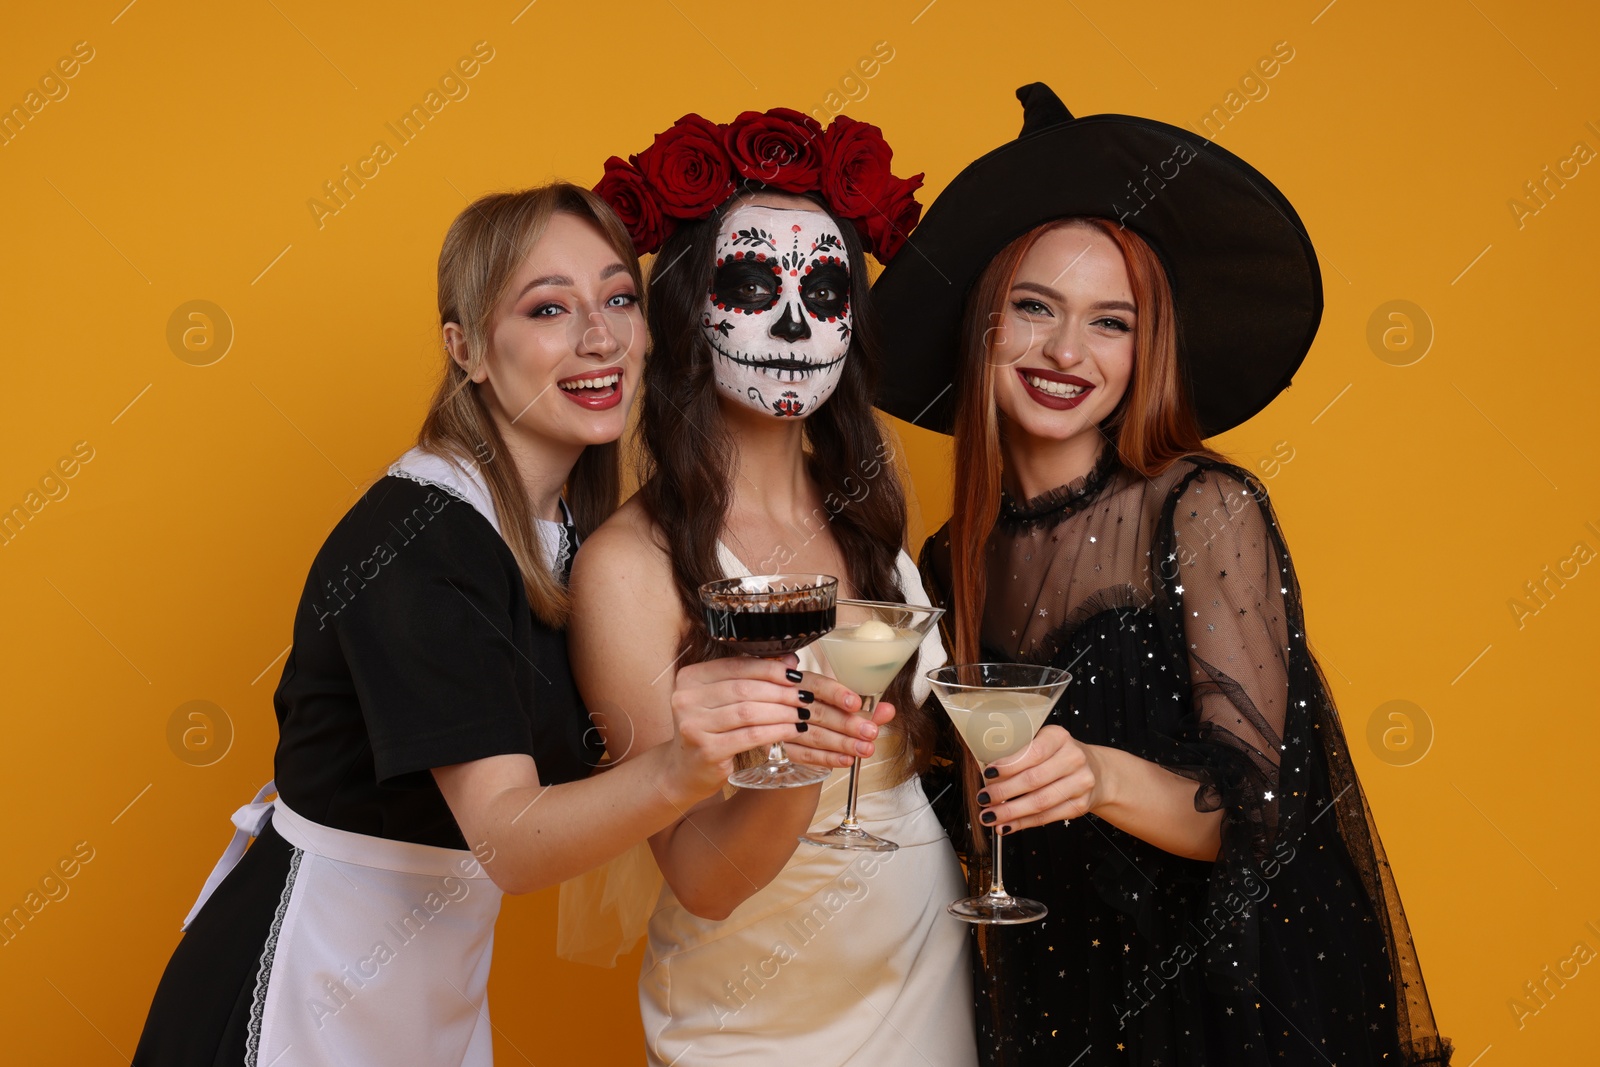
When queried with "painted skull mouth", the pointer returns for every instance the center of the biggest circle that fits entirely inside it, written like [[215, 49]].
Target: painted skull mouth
[[784, 368]]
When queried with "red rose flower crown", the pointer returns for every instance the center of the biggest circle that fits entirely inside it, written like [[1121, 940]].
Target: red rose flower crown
[[695, 165]]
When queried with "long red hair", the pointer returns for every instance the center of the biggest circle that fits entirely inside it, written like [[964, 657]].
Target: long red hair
[[1152, 427]]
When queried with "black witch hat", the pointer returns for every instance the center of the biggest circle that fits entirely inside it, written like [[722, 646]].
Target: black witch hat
[[1244, 276]]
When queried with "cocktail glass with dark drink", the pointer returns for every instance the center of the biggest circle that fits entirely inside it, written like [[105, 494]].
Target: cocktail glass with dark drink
[[770, 615]]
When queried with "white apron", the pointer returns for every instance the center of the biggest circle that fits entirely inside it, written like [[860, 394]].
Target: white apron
[[378, 954]]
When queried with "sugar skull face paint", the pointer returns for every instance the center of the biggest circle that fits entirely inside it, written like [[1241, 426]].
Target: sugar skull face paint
[[777, 314]]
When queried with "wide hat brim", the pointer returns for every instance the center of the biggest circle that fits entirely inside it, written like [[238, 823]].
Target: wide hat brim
[[1243, 273]]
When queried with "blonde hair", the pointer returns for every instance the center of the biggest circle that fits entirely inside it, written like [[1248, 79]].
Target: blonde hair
[[484, 248]]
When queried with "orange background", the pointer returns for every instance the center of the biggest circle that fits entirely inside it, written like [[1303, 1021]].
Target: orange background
[[177, 163]]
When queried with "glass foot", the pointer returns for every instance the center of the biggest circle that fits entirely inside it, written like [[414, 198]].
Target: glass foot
[[1000, 910], [850, 837], [770, 775]]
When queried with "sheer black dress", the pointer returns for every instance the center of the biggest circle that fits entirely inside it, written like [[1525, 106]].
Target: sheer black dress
[[1174, 604]]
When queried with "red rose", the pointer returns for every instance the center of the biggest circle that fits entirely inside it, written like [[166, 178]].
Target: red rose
[[630, 196], [781, 149], [688, 168], [892, 218], [855, 166]]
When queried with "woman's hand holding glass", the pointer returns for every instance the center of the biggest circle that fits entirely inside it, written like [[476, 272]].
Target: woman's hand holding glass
[[1054, 779], [724, 707]]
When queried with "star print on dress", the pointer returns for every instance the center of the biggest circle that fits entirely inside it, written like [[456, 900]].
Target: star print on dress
[[1185, 639]]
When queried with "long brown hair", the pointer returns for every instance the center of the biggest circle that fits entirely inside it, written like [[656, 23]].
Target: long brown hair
[[484, 248], [1152, 427], [688, 456]]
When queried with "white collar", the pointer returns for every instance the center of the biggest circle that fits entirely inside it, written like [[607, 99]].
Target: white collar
[[467, 484]]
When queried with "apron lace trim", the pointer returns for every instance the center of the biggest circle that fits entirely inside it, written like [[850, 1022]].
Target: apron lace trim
[[258, 1000]]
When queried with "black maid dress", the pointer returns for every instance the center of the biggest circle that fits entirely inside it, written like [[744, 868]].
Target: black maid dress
[[414, 648]]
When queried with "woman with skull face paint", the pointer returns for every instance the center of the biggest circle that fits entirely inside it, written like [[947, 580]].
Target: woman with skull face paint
[[1217, 891], [763, 454]]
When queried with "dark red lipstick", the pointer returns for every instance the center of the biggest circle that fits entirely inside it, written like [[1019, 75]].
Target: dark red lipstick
[[1050, 400]]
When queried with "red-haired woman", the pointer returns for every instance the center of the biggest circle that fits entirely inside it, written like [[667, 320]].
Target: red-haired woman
[[1217, 891]]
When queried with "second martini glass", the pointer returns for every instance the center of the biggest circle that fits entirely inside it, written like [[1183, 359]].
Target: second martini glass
[[998, 709], [871, 641]]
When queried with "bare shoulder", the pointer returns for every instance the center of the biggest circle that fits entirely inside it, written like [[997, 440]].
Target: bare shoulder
[[624, 630], [622, 561]]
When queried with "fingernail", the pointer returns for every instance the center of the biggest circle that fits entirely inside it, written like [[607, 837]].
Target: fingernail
[[1006, 830], [794, 676], [990, 772], [805, 713], [864, 748], [987, 817], [801, 727], [983, 798], [869, 730], [806, 696]]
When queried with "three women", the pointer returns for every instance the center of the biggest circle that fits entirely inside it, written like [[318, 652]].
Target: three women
[[1190, 816]]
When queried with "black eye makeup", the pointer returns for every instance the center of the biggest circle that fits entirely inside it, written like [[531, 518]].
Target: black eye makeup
[[825, 290], [745, 285]]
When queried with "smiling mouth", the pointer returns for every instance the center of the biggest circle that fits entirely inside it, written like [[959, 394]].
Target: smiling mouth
[[1055, 388], [783, 368], [597, 382]]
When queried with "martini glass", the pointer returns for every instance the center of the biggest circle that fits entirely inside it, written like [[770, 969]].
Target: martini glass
[[769, 615], [871, 641], [998, 709]]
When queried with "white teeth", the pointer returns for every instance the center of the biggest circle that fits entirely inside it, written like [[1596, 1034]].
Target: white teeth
[[593, 383], [1053, 388]]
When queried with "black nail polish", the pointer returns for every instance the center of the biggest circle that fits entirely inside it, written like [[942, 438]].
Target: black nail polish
[[987, 817], [805, 713], [1005, 830], [990, 772], [801, 727], [794, 676], [806, 696], [983, 798]]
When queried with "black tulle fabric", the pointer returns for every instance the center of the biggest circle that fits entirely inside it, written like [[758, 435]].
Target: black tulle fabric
[[1173, 603]]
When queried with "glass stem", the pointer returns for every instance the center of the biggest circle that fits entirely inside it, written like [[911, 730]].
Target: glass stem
[[868, 703], [997, 887], [776, 754]]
